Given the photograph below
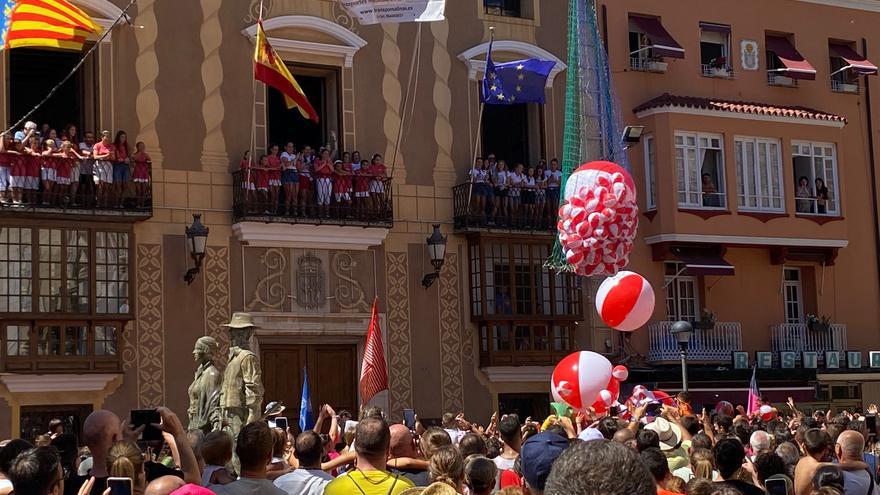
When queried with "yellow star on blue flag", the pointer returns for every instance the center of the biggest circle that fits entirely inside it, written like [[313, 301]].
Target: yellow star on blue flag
[[520, 81]]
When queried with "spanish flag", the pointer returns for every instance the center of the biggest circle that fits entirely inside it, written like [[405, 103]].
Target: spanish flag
[[44, 23], [270, 69]]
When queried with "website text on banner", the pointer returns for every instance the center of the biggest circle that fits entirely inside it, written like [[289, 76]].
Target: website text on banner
[[379, 11]]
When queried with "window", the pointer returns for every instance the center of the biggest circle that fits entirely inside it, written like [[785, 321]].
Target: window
[[715, 49], [63, 298], [843, 78], [793, 295], [815, 177], [525, 312], [650, 174], [699, 161], [758, 174], [682, 300], [506, 8]]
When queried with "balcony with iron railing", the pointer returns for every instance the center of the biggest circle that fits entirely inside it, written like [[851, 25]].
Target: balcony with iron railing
[[648, 64], [780, 79], [367, 204], [843, 82], [713, 344], [709, 70], [799, 337], [520, 210], [58, 187]]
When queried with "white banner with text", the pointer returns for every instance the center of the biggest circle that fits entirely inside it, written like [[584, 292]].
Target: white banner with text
[[379, 11]]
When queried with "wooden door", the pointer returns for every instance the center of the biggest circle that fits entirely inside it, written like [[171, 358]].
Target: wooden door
[[332, 376]]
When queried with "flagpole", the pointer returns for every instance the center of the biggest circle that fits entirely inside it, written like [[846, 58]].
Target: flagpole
[[414, 64], [479, 126], [247, 185]]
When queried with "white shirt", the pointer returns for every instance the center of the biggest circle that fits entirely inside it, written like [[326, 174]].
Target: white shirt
[[304, 482], [529, 182], [247, 486], [553, 173], [288, 160], [503, 464], [478, 174], [500, 177]]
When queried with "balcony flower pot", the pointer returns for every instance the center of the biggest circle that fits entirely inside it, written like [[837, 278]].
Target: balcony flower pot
[[819, 327], [657, 66], [704, 324], [720, 72]]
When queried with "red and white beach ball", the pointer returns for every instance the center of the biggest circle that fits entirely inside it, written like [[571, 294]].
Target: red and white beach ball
[[625, 301], [578, 379], [767, 413]]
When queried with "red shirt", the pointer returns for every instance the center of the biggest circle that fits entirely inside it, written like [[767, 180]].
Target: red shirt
[[121, 152], [274, 162], [102, 149], [323, 169], [378, 170]]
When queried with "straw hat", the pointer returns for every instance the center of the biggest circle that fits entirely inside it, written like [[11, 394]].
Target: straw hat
[[669, 433], [241, 320]]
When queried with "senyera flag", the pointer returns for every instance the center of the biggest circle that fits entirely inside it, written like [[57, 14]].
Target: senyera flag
[[271, 70], [374, 375], [379, 11], [44, 23]]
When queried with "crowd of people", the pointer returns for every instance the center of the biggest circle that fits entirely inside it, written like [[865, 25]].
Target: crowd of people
[[302, 183], [655, 448], [514, 196], [44, 166]]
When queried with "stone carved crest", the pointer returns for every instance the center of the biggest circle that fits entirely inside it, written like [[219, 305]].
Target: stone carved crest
[[310, 282]]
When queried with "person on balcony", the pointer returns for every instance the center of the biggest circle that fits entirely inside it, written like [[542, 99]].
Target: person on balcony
[[87, 169], [273, 163], [349, 168], [478, 188], [324, 182], [540, 192], [340, 188], [121, 168], [6, 160], [498, 176], [289, 179], [48, 171], [103, 153], [306, 186], [804, 196], [528, 195], [261, 171], [821, 197], [515, 183], [377, 184], [361, 186], [710, 192], [17, 170], [248, 179], [67, 172], [24, 135], [141, 176]]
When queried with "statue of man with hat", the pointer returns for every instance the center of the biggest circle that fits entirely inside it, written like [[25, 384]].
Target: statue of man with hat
[[204, 391], [241, 395]]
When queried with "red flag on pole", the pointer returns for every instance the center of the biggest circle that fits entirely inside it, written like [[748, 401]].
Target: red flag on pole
[[374, 375], [754, 394]]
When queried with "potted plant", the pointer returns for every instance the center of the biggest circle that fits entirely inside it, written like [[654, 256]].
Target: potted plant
[[706, 321], [818, 323], [718, 67], [656, 64]]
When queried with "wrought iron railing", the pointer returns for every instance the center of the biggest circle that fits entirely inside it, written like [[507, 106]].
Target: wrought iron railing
[[371, 208], [780, 79], [799, 337], [474, 210], [715, 344]]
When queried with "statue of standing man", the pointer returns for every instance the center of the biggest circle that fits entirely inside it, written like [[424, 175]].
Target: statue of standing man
[[241, 394], [204, 392]]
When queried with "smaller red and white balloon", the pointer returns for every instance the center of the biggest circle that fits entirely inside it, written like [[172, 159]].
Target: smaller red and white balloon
[[598, 218], [586, 379], [625, 301]]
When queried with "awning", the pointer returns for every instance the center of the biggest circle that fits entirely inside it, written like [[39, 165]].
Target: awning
[[853, 60], [661, 42], [718, 28], [796, 66], [699, 261]]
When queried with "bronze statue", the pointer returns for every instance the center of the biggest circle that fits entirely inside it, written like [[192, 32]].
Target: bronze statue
[[241, 394], [204, 391]]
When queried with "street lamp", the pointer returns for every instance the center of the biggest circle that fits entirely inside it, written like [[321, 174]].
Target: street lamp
[[682, 331], [437, 251], [196, 241]]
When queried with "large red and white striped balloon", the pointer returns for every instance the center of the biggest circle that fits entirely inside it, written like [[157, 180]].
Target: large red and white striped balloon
[[625, 301], [578, 379]]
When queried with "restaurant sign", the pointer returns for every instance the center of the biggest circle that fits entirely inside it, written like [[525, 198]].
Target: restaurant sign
[[806, 360]]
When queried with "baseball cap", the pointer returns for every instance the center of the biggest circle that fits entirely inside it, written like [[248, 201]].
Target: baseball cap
[[590, 434], [538, 454]]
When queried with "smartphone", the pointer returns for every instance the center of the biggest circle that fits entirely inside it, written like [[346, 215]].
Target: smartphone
[[409, 418], [871, 424], [147, 417], [776, 487], [120, 486], [281, 422], [653, 409], [614, 411]]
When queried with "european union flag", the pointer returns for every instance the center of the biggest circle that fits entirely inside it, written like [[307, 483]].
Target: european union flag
[[520, 81], [306, 419]]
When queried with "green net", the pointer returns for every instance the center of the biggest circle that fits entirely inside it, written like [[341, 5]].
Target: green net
[[572, 145]]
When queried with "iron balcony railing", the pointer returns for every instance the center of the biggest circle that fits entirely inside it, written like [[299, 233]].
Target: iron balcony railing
[[371, 208], [799, 337], [715, 344], [518, 209]]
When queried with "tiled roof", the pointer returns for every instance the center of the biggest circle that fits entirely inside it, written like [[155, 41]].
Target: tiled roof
[[669, 100]]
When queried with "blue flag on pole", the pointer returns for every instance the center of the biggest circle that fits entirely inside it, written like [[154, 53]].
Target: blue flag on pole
[[306, 419], [510, 83]]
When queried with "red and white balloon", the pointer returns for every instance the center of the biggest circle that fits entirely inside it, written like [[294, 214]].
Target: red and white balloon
[[625, 301], [598, 219], [578, 379]]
